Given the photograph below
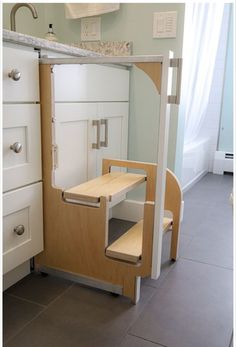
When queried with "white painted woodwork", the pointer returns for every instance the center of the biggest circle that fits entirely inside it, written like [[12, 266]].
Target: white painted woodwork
[[162, 150], [22, 201], [22, 207], [76, 83], [15, 275], [21, 123], [27, 88], [74, 134]]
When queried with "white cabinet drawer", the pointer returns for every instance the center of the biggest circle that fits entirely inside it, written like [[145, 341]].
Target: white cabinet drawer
[[27, 87], [21, 126], [22, 212], [90, 83]]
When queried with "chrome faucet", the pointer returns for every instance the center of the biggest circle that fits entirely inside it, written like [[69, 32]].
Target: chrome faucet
[[15, 8]]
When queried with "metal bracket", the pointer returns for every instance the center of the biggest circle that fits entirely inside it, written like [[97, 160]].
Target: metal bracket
[[175, 99], [55, 156]]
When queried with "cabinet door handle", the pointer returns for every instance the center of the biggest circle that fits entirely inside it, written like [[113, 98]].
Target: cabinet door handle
[[176, 62], [97, 123], [105, 143], [15, 74], [16, 147], [19, 230]]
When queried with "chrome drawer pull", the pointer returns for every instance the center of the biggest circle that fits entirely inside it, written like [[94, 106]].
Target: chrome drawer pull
[[19, 230], [97, 123], [15, 74], [16, 147], [105, 143]]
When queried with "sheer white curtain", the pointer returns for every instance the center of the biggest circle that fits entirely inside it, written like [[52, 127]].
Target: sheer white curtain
[[201, 38]]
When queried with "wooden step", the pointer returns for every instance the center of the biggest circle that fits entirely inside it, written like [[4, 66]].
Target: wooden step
[[111, 185], [129, 246]]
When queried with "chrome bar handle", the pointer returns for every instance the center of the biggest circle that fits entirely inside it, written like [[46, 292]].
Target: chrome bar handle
[[105, 143], [97, 123], [176, 62]]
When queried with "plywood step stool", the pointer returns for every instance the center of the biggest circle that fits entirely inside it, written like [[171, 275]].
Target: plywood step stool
[[76, 220], [76, 223]]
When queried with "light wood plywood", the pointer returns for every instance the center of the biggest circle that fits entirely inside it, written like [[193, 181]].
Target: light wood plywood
[[154, 71], [111, 185], [76, 236], [129, 246]]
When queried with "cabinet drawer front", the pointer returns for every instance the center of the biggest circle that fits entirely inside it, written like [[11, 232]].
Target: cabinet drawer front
[[90, 83], [22, 225], [21, 145], [27, 87]]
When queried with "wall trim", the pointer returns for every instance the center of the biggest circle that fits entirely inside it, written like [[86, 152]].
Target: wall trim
[[194, 181]]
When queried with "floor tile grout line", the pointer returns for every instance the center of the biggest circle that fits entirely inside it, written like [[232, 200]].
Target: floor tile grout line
[[210, 264], [145, 305], [26, 300], [142, 338], [42, 311], [141, 311]]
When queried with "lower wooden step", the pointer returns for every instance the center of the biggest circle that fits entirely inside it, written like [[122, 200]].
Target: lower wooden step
[[129, 246]]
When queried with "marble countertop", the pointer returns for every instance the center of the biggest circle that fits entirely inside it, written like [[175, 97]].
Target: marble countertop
[[27, 40]]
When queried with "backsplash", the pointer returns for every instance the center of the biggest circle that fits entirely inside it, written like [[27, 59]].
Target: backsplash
[[114, 48]]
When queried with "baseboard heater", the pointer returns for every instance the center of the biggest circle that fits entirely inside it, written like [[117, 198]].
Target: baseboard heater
[[223, 162]]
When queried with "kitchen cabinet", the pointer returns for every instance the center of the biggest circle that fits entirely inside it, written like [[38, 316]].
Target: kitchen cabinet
[[22, 173], [91, 120]]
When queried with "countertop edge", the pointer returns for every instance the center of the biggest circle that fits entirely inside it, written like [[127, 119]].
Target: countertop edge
[[38, 43]]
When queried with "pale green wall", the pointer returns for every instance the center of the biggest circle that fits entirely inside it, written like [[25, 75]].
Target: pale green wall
[[133, 22], [226, 126]]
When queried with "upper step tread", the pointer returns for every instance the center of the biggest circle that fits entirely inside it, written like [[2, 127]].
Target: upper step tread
[[111, 185]]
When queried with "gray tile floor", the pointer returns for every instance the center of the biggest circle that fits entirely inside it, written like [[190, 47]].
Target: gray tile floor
[[190, 305]]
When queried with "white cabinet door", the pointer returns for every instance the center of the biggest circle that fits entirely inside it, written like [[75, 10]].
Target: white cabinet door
[[74, 135], [22, 225], [85, 83], [78, 128], [27, 87], [21, 145], [115, 128]]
